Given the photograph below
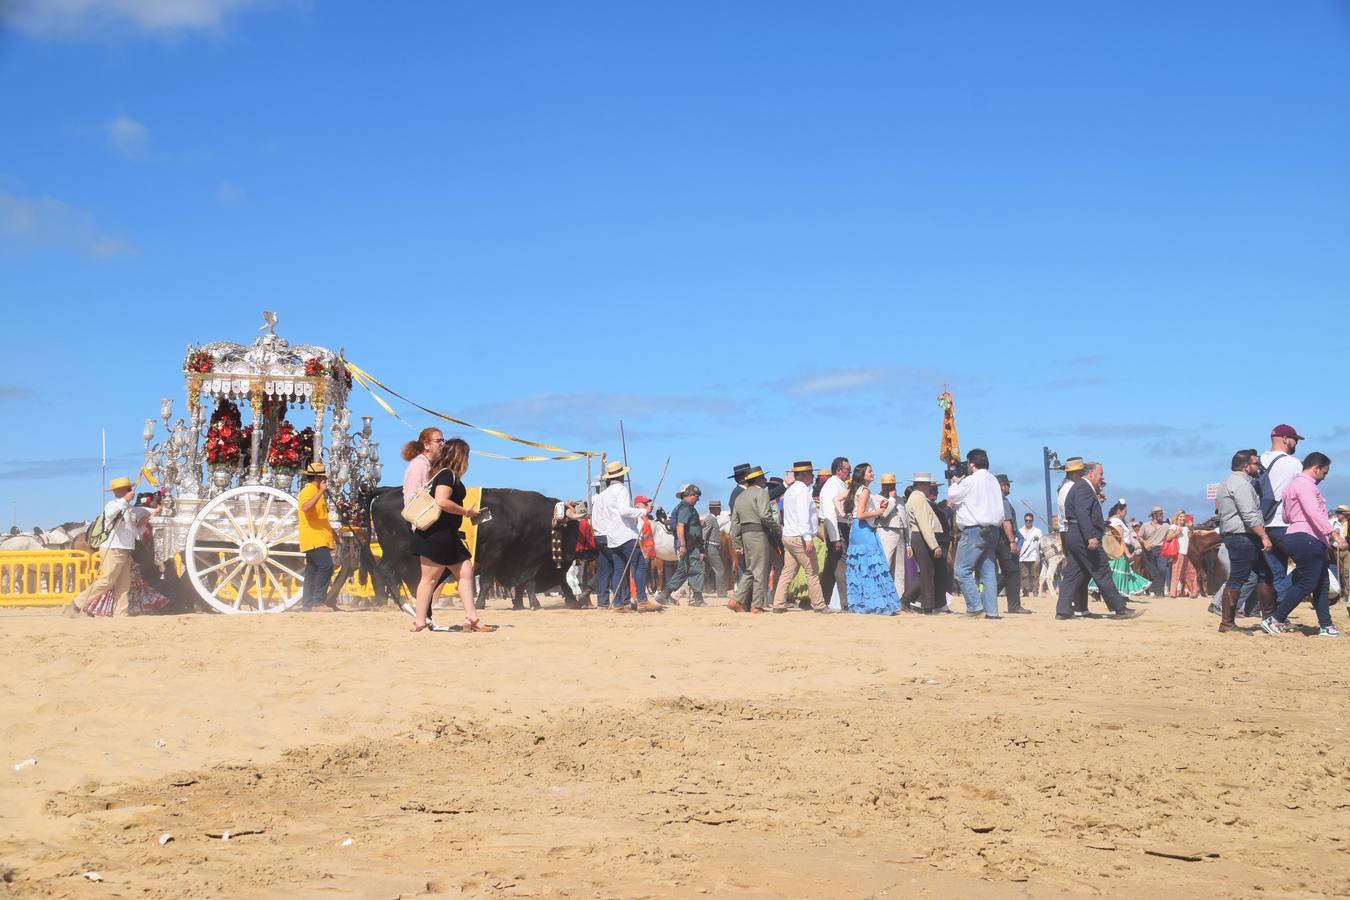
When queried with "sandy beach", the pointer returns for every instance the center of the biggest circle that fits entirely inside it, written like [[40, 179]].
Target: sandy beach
[[682, 754]]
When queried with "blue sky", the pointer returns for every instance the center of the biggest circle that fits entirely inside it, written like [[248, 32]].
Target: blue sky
[[757, 232]]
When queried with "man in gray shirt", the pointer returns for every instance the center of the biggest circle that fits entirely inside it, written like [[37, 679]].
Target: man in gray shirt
[[1244, 537], [1153, 534]]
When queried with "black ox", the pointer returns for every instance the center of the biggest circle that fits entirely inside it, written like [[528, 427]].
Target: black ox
[[515, 548]]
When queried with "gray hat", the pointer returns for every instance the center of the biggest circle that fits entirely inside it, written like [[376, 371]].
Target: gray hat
[[689, 489]]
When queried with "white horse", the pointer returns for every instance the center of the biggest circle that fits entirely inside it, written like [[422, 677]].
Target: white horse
[[1052, 557]]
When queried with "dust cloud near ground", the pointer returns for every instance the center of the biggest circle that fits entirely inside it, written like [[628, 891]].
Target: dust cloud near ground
[[689, 753]]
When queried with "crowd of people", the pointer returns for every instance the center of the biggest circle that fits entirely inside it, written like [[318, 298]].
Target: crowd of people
[[889, 552], [855, 542], [883, 551]]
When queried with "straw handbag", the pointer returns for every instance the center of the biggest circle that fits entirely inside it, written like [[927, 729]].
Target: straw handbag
[[422, 511], [1112, 544]]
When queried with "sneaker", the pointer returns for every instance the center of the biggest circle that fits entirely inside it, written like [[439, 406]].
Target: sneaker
[[1271, 626], [1329, 631], [697, 602]]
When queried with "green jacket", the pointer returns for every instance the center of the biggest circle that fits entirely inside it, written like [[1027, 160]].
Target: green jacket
[[753, 514]]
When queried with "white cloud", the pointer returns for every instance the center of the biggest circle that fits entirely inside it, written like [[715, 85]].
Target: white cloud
[[45, 222], [841, 380], [229, 195], [127, 136], [48, 18]]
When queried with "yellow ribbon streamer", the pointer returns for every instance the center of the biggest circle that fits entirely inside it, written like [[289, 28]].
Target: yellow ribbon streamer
[[365, 379]]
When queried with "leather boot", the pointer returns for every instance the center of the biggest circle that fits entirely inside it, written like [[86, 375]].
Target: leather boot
[[1230, 600], [1265, 596]]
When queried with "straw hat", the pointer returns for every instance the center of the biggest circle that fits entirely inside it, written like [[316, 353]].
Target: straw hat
[[1342, 508], [119, 483], [755, 472], [888, 478], [802, 466], [1073, 464], [314, 470], [923, 478], [614, 470]]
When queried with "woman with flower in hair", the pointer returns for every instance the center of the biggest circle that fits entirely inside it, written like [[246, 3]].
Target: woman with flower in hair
[[1127, 580], [871, 587]]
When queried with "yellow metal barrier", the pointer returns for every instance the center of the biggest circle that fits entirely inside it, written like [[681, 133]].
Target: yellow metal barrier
[[55, 577], [44, 577]]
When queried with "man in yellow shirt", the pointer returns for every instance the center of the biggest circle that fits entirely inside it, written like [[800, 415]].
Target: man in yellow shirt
[[317, 540]]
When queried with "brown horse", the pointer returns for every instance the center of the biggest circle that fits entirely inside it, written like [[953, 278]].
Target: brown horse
[[1203, 552]]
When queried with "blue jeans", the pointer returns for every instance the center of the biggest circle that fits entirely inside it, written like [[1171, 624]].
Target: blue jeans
[[640, 567], [1244, 559], [318, 572], [620, 569], [1278, 560], [602, 572], [1157, 568], [1310, 577], [975, 570]]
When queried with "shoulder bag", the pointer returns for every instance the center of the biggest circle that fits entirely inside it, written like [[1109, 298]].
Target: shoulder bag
[[422, 511]]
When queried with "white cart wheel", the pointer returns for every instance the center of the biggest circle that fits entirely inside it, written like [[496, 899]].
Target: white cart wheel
[[243, 551]]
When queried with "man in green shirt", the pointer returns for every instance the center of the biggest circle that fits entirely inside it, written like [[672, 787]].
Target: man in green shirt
[[688, 534], [752, 523]]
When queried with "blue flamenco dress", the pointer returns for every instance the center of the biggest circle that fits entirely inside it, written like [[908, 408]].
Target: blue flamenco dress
[[871, 589]]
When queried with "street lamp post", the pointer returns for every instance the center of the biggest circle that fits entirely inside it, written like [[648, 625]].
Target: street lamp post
[[1051, 460]]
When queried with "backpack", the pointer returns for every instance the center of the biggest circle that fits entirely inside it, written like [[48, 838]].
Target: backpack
[[100, 530], [1270, 504]]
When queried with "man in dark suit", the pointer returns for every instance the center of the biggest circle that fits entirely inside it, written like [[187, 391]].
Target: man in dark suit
[[1084, 556]]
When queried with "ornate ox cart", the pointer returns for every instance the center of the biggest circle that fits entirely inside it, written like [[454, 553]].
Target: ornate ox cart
[[229, 520]]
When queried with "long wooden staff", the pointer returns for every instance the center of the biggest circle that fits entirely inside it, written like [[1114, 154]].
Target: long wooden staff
[[637, 545]]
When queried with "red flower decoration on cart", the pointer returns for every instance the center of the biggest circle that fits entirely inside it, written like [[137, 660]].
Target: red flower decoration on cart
[[198, 361]]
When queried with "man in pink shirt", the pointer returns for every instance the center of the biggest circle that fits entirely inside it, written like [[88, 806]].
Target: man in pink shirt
[[1308, 540]]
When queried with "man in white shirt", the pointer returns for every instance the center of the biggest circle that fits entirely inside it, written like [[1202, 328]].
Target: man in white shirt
[[978, 501], [1030, 555], [122, 521], [800, 520], [893, 533], [836, 533], [1282, 465], [614, 516]]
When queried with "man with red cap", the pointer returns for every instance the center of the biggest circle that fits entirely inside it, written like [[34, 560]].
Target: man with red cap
[[1280, 465]]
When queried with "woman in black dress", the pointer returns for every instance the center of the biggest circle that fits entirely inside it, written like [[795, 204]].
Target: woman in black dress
[[441, 546]]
